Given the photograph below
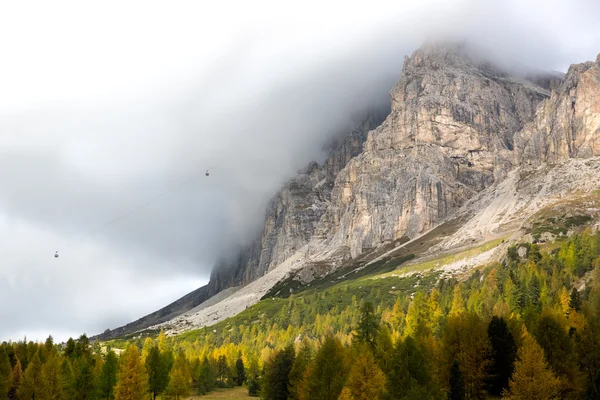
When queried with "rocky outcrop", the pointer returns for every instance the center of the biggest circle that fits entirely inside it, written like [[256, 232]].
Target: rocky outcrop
[[294, 212], [567, 125], [449, 135]]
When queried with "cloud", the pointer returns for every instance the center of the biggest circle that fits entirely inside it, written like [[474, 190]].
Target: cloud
[[107, 106]]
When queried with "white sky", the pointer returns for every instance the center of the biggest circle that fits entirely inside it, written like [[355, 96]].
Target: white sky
[[104, 105]]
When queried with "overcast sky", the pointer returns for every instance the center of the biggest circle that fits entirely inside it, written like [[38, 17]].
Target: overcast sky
[[106, 106]]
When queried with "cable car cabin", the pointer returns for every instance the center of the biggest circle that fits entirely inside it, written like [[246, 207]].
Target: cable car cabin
[[207, 173], [56, 255]]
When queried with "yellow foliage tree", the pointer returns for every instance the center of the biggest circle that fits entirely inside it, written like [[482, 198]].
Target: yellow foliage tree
[[533, 379], [132, 377], [366, 380]]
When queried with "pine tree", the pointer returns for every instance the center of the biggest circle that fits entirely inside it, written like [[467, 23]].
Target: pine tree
[[366, 381], [5, 371], [158, 377], [205, 377], [504, 354], [533, 379], [52, 379], [240, 377], [253, 379], [329, 370], [456, 383], [84, 379], [180, 378], [16, 377], [298, 372], [108, 376], [368, 326], [275, 385], [575, 301], [223, 371], [409, 372], [132, 379]]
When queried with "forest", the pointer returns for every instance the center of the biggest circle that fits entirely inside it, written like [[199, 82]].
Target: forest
[[525, 328]]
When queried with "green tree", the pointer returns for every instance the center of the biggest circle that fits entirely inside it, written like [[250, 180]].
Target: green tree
[[240, 377], [205, 377], [298, 372], [253, 380], [16, 377], [223, 371], [275, 385], [456, 383], [68, 378], [504, 354], [368, 325], [108, 376], [52, 378], [84, 380], [32, 385], [409, 374], [329, 370], [132, 380], [5, 371], [158, 377], [180, 378], [575, 302]]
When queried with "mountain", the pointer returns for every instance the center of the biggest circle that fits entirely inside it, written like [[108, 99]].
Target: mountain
[[469, 155]]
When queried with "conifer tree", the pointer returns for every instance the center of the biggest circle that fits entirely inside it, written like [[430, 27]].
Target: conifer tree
[[148, 345], [366, 381], [52, 379], [253, 380], [329, 370], [368, 326], [108, 376], [456, 384], [205, 377], [240, 377], [409, 373], [132, 380], [299, 368], [5, 371], [275, 385], [533, 379], [180, 378], [68, 378], [504, 354], [32, 386], [158, 377], [84, 379], [223, 371], [575, 302], [16, 377]]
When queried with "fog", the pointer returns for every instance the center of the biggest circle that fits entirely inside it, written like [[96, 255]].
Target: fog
[[111, 113]]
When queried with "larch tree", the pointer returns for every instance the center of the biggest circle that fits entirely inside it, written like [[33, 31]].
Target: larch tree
[[533, 379], [329, 370], [5, 371], [132, 380], [16, 377], [298, 372], [32, 384], [180, 378], [366, 381], [52, 379]]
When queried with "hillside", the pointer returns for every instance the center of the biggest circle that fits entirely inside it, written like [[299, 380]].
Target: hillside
[[468, 155]]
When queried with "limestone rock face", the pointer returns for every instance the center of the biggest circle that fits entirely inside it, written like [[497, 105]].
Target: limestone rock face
[[449, 135], [567, 125], [294, 212]]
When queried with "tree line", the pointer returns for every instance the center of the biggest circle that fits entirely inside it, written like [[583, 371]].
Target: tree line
[[526, 328]]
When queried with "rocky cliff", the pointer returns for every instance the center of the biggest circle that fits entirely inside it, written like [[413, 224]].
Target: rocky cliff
[[449, 135], [567, 125], [295, 211]]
